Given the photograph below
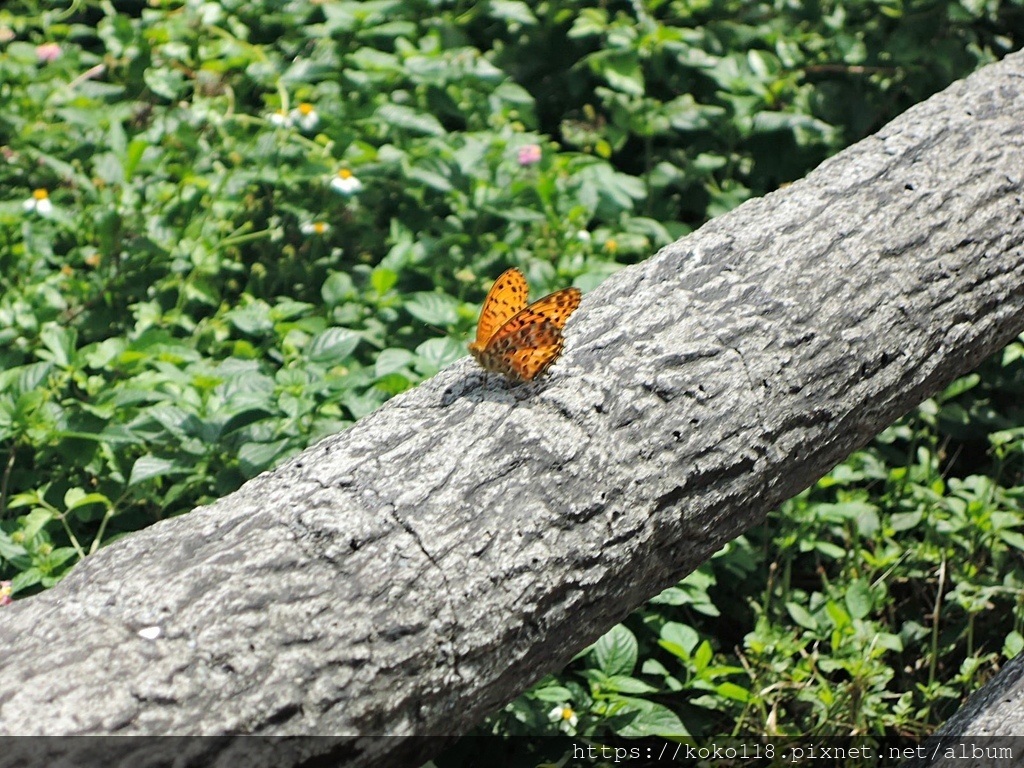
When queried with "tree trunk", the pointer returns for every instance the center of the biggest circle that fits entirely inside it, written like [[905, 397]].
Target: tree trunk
[[415, 572]]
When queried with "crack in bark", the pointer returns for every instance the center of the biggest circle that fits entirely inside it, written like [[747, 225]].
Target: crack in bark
[[453, 622], [754, 388]]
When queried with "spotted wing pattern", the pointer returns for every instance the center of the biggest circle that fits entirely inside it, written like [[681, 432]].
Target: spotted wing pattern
[[506, 297], [522, 345]]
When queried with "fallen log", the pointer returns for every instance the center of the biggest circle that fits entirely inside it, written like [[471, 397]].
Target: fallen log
[[415, 572]]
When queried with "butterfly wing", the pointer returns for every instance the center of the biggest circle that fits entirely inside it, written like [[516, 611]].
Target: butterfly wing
[[529, 342], [506, 297], [557, 306], [524, 347]]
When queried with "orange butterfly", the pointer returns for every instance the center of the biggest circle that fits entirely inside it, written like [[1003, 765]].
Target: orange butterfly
[[519, 341]]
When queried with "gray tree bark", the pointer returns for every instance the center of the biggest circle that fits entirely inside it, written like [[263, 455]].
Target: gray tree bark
[[991, 721], [412, 574]]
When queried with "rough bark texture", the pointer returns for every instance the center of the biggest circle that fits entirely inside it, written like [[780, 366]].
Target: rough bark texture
[[992, 721], [413, 573]]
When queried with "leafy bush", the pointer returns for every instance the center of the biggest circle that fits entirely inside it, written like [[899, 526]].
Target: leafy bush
[[233, 228]]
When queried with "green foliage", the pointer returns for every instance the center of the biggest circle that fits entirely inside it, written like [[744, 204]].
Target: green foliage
[[232, 228], [868, 606]]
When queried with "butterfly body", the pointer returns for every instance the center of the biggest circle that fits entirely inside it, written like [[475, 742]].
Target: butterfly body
[[520, 340]]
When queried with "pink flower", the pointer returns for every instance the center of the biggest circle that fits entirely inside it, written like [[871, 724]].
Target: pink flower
[[529, 154], [47, 52]]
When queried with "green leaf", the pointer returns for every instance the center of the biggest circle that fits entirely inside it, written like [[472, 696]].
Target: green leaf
[[27, 578], [858, 599], [621, 69], [1013, 539], [616, 651], [889, 641], [337, 289], [400, 116], [905, 521], [166, 82], [589, 22], [149, 467], [433, 308], [958, 387], [649, 719], [838, 613], [9, 550], [23, 379], [76, 497], [34, 521], [58, 557], [801, 616], [703, 656], [392, 360], [679, 639], [1013, 644], [626, 684], [383, 280], [512, 11], [829, 549], [437, 353], [552, 693], [734, 692], [433, 178], [333, 345], [253, 319], [243, 419], [60, 341]]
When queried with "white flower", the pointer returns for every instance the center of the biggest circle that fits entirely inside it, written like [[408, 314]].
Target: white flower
[[345, 183], [304, 116], [583, 236], [315, 228], [565, 716], [280, 118], [39, 202]]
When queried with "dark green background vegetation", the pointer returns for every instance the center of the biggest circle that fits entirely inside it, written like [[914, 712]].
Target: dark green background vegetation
[[202, 302]]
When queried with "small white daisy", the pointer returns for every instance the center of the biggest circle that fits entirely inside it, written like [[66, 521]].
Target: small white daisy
[[565, 716], [345, 183], [305, 116], [281, 118], [315, 228], [39, 202]]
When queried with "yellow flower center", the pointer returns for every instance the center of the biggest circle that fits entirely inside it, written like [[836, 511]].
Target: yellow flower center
[[345, 173], [40, 194], [305, 107]]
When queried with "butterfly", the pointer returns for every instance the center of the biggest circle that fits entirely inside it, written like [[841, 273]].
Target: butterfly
[[519, 341]]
